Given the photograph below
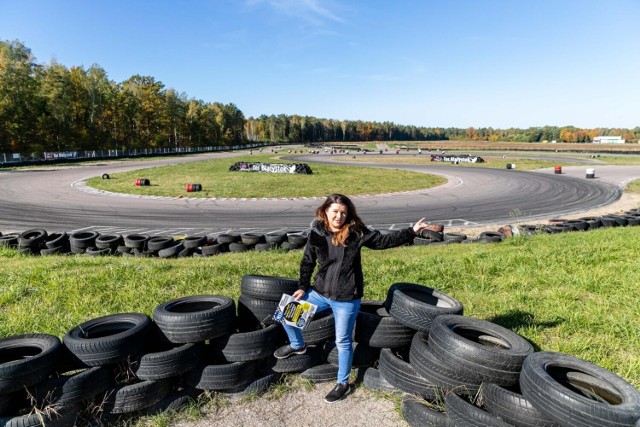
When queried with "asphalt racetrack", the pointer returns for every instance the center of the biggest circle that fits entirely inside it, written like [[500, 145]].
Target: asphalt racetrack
[[57, 199]]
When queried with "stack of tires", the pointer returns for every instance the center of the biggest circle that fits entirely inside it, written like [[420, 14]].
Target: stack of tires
[[455, 369], [431, 237], [31, 241], [111, 368], [259, 298], [462, 371]]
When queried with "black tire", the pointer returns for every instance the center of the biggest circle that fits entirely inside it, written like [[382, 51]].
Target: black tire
[[454, 237], [631, 220], [363, 355], [297, 239], [321, 373], [187, 252], [136, 241], [195, 318], [464, 414], [276, 238], [76, 250], [592, 221], [73, 387], [8, 403], [253, 312], [228, 238], [172, 403], [373, 380], [109, 339], [622, 221], [298, 362], [445, 376], [433, 236], [256, 386], [512, 407], [55, 416], [608, 401], [105, 176], [168, 363], [27, 359], [157, 243], [239, 247], [9, 240], [322, 328], [289, 246], [171, 251], [246, 346], [220, 377], [482, 351], [193, 242], [263, 247], [107, 241], [97, 252], [419, 241], [491, 235], [608, 221], [403, 376], [135, 397], [252, 239], [578, 224], [83, 239], [267, 287], [375, 328], [416, 305], [417, 414], [214, 249], [32, 238], [53, 251], [55, 240]]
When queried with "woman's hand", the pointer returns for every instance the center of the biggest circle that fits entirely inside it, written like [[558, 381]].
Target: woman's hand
[[299, 294], [419, 226]]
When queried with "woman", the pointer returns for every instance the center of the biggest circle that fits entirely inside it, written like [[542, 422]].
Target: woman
[[334, 244]]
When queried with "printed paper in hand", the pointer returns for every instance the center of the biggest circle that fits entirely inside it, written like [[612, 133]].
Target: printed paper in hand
[[295, 313]]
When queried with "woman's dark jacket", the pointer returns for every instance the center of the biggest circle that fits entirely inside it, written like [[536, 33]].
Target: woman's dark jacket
[[339, 275]]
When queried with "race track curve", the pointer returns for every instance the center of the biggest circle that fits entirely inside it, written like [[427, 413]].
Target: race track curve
[[56, 199]]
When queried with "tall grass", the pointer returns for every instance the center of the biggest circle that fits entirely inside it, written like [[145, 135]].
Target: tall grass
[[575, 293]]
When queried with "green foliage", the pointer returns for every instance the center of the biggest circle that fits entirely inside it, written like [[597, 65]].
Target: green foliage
[[49, 107]]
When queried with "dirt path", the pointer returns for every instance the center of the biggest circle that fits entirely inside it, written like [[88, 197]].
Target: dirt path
[[305, 408]]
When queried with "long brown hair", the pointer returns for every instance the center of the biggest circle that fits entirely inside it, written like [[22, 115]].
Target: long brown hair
[[351, 223]]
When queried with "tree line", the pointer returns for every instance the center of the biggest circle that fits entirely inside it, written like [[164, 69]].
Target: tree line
[[50, 107]]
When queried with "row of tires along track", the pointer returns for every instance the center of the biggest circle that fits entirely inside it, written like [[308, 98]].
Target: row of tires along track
[[92, 243], [455, 370]]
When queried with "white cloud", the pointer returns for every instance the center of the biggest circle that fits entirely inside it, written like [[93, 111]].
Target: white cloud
[[313, 11]]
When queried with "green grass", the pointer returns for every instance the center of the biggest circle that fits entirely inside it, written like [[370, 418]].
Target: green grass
[[217, 181], [575, 293], [633, 186]]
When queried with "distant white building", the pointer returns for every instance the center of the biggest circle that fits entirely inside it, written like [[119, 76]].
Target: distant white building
[[608, 140]]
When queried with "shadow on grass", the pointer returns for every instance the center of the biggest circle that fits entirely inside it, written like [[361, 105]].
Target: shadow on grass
[[516, 319]]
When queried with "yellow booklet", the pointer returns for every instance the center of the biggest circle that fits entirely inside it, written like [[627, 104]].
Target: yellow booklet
[[295, 313]]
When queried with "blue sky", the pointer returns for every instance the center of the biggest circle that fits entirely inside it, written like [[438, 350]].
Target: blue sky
[[436, 63]]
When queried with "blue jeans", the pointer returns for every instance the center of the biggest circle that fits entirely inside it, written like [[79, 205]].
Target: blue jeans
[[345, 314]]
